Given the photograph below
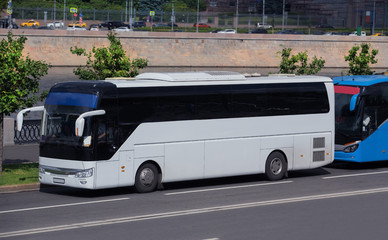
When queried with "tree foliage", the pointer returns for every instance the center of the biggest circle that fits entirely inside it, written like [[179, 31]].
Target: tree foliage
[[359, 61], [19, 78], [298, 64], [140, 5], [108, 62], [81, 4], [3, 4]]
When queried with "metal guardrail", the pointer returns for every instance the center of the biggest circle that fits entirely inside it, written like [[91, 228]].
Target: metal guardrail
[[30, 132]]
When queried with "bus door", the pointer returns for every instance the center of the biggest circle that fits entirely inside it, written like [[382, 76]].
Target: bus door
[[375, 124]]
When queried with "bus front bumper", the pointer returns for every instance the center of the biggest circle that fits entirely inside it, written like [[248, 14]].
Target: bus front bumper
[[47, 176]]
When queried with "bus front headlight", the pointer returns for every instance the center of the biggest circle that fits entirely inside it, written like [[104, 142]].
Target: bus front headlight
[[351, 148], [84, 173]]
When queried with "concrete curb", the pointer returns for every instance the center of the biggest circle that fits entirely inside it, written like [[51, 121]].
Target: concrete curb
[[19, 188]]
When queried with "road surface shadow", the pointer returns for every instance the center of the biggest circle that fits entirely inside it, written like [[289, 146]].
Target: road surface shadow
[[213, 182], [358, 166]]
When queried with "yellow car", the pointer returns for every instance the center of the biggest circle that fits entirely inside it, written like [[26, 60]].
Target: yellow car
[[83, 25], [378, 35], [31, 23]]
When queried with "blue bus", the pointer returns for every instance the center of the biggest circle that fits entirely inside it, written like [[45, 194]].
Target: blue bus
[[361, 113]]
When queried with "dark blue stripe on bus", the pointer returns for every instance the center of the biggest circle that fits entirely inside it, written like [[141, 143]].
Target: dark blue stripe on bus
[[72, 99]]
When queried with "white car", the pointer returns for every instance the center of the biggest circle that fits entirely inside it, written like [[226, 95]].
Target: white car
[[76, 28], [55, 25], [94, 28], [232, 31], [363, 34], [123, 29], [265, 26]]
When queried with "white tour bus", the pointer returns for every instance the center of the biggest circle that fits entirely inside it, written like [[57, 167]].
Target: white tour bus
[[165, 127]]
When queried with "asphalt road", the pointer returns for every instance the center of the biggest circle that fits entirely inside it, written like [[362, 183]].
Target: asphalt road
[[338, 202]]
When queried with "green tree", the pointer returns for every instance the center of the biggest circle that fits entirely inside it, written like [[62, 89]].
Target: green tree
[[3, 4], [108, 62], [359, 61], [19, 79], [298, 63], [155, 5]]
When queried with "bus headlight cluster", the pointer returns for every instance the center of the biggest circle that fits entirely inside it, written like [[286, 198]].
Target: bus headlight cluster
[[351, 148], [84, 173], [42, 170]]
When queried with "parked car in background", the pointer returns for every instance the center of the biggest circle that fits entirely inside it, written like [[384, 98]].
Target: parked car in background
[[258, 31], [123, 29], [30, 23], [170, 24], [76, 28], [4, 23], [231, 31], [112, 24], [318, 32], [139, 24], [94, 27], [265, 26], [379, 34], [45, 28], [216, 31], [363, 34], [78, 23], [289, 31], [159, 25], [58, 24], [201, 25]]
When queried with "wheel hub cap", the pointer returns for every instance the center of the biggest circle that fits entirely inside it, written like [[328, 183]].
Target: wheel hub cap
[[276, 166], [147, 177]]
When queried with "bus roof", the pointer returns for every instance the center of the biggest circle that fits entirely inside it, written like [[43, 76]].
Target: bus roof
[[207, 78], [362, 80]]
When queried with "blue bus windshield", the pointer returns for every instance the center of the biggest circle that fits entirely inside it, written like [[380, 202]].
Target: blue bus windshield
[[72, 99]]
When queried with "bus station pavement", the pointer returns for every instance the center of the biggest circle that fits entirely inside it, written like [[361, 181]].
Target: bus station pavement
[[14, 154]]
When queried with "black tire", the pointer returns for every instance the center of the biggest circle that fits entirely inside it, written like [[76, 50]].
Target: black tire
[[146, 178], [275, 166]]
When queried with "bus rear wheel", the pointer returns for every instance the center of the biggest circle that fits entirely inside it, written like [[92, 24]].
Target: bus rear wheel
[[275, 166], [146, 178]]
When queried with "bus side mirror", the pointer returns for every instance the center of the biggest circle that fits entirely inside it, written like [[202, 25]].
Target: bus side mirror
[[80, 122], [353, 102], [19, 117]]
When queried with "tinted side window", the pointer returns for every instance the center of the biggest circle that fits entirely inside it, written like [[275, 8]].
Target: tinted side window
[[279, 99], [228, 101]]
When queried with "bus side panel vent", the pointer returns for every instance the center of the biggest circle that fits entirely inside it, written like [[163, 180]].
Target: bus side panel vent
[[318, 156], [319, 142]]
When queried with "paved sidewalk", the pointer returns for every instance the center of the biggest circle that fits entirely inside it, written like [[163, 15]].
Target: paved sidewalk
[[20, 153]]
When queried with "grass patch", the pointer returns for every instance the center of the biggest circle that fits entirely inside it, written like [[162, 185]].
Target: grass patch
[[15, 174]]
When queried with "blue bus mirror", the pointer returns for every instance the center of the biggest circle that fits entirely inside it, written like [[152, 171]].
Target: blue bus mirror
[[353, 102]]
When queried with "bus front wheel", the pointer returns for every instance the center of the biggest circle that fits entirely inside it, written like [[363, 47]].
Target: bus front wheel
[[146, 178], [275, 166]]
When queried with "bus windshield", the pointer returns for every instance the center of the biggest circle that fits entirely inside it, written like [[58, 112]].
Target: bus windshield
[[60, 113], [347, 121]]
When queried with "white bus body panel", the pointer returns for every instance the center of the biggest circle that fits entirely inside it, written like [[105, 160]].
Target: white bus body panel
[[184, 161]]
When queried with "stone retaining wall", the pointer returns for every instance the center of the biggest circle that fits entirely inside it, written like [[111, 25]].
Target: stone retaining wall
[[179, 49]]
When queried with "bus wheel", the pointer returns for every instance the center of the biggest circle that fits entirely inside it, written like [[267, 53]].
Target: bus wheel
[[146, 178], [275, 166]]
